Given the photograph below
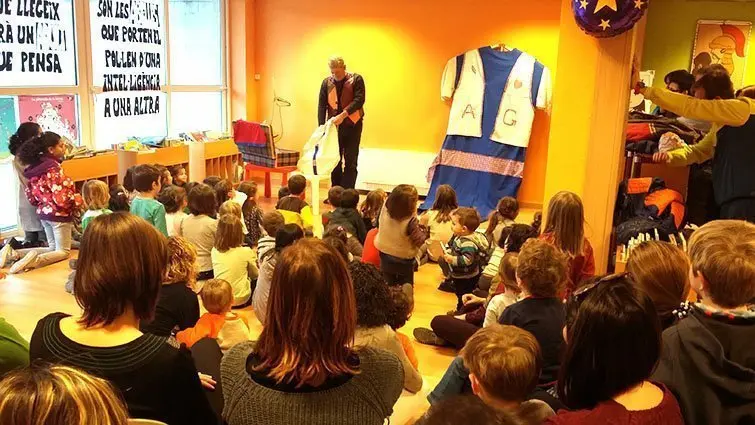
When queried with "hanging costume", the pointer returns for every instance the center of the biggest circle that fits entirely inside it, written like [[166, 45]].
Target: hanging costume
[[494, 99]]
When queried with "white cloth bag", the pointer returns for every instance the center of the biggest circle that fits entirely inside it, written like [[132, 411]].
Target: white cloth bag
[[321, 154]]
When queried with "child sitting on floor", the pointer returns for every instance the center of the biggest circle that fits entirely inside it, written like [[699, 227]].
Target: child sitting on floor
[[147, 184], [174, 200], [271, 222], [462, 258], [334, 201], [118, 199], [177, 306], [252, 213], [294, 207], [178, 173], [565, 229], [166, 178], [347, 216], [96, 198], [438, 219], [370, 208], [219, 322], [233, 208], [200, 227], [707, 358], [233, 262], [504, 216], [504, 366], [540, 274], [400, 236], [373, 302]]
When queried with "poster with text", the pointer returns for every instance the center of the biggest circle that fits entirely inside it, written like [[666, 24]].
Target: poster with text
[[37, 43], [124, 115], [55, 113], [128, 51], [8, 123], [128, 44], [724, 43]]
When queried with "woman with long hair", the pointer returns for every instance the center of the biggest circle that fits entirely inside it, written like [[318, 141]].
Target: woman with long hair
[[613, 346], [303, 368], [122, 263]]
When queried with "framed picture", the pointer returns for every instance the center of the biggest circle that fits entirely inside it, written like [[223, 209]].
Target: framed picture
[[724, 43]]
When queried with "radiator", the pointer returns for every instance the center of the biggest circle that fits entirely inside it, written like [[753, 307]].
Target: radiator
[[388, 168]]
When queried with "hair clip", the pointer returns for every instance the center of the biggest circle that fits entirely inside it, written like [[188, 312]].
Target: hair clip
[[683, 310]]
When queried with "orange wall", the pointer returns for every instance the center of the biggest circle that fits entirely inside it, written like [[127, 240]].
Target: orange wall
[[400, 47]]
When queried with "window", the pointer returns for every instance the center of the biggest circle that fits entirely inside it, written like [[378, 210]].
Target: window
[[102, 71]]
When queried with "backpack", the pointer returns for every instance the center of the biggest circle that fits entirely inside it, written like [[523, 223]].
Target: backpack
[[644, 205]]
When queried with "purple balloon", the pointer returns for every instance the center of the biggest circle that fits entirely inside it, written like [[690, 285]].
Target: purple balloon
[[608, 18]]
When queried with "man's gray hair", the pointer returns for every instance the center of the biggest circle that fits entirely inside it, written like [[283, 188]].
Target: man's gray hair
[[336, 62]]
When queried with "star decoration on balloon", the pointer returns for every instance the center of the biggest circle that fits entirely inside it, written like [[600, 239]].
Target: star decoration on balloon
[[608, 18], [611, 4]]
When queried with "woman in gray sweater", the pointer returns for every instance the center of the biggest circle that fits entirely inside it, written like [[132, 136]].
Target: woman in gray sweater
[[303, 369]]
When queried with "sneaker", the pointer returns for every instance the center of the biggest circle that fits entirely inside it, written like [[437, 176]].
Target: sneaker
[[428, 337], [24, 264], [447, 286], [7, 255], [14, 243]]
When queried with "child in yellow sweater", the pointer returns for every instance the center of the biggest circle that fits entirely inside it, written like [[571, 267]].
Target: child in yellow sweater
[[219, 322]]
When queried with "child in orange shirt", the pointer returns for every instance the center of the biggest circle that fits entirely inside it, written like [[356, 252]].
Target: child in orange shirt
[[219, 322], [399, 314]]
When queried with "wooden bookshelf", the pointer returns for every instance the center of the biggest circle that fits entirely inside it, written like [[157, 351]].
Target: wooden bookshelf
[[221, 158]]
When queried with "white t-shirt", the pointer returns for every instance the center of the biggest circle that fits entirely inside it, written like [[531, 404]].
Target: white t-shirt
[[200, 230], [173, 221], [237, 266]]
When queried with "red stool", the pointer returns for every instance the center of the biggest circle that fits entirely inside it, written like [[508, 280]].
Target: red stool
[[250, 168]]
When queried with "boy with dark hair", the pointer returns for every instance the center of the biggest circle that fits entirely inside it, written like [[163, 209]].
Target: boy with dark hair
[[464, 254], [707, 358], [294, 207], [728, 142], [504, 368], [347, 216], [146, 180], [334, 201]]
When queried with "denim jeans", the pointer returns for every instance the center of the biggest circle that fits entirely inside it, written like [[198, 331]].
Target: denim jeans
[[454, 382], [58, 244]]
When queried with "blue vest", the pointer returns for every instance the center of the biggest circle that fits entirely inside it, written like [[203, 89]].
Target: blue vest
[[734, 163]]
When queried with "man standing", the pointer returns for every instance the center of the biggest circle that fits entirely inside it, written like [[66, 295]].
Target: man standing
[[342, 97], [729, 141]]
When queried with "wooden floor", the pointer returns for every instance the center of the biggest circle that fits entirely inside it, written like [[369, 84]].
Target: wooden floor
[[26, 298]]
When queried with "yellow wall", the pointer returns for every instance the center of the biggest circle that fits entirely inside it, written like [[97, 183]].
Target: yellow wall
[[400, 47], [670, 33]]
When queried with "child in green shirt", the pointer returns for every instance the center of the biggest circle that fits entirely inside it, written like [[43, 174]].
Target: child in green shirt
[[96, 198], [147, 184]]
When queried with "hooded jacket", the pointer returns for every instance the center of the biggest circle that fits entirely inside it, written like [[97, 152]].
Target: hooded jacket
[[349, 219], [50, 191], [709, 364]]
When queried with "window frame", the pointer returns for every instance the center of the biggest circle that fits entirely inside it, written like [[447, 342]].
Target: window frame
[[86, 90]]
